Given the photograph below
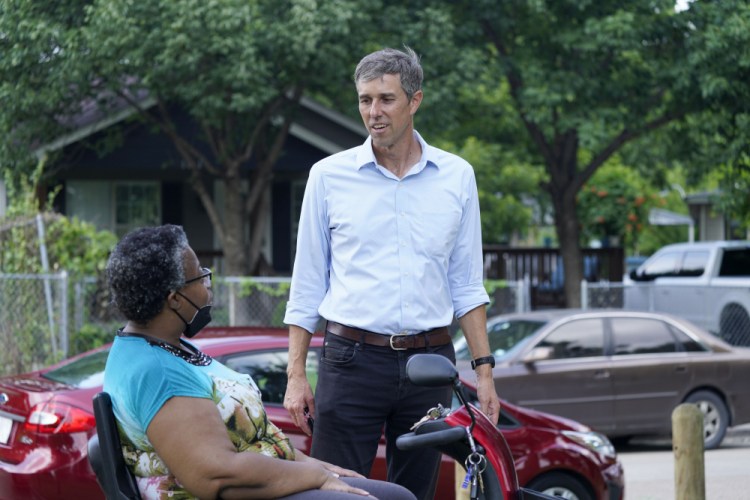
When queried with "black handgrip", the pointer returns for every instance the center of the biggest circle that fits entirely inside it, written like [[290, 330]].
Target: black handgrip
[[412, 441]]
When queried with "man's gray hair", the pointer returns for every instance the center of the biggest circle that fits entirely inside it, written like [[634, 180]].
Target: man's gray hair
[[392, 62]]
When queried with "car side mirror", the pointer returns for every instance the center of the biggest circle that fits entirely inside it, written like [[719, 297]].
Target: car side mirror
[[538, 354], [636, 276]]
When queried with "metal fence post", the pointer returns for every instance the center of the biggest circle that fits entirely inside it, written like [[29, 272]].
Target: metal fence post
[[78, 305], [64, 337], [527, 293], [232, 304], [584, 294], [520, 297]]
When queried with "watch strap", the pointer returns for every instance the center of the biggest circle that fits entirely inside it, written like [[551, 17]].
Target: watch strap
[[485, 360]]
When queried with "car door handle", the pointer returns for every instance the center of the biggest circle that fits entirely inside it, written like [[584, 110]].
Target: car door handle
[[680, 369], [601, 374]]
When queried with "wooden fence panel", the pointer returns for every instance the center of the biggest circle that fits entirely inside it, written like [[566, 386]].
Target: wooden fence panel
[[543, 268]]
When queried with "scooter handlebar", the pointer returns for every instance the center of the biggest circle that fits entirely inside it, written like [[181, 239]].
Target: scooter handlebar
[[412, 441]]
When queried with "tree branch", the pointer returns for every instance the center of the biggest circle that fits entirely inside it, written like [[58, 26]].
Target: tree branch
[[186, 149], [623, 137], [264, 119], [516, 84], [263, 173]]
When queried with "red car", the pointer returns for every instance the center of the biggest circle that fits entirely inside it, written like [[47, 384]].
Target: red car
[[46, 419]]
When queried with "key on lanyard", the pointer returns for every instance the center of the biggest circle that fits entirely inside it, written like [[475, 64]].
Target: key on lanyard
[[475, 464], [469, 477]]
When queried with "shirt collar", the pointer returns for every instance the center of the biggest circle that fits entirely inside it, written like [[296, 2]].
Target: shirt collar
[[366, 157]]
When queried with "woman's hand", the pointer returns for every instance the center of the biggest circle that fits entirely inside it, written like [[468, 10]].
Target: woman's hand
[[333, 483], [333, 469], [340, 471]]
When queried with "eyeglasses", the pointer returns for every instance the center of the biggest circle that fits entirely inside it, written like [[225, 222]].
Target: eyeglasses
[[205, 276]]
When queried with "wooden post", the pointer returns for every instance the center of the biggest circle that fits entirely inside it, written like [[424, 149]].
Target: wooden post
[[687, 445]]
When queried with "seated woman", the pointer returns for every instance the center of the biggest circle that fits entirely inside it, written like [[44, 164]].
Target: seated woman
[[190, 426]]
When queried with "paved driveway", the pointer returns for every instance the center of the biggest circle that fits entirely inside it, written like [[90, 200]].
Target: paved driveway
[[649, 468]]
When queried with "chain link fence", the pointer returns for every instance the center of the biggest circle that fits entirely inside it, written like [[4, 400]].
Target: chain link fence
[[242, 301], [33, 320], [47, 317], [722, 310]]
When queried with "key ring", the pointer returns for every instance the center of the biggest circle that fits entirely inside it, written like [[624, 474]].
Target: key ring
[[476, 460]]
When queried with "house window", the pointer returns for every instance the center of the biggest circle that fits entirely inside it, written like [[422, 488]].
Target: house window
[[114, 206], [136, 204]]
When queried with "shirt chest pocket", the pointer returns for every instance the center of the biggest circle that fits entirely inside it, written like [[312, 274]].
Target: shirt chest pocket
[[435, 231]]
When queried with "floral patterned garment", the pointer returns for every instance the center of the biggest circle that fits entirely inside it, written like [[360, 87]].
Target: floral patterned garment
[[238, 400]]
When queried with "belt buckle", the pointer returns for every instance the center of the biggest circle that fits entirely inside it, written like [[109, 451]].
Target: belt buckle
[[398, 335]]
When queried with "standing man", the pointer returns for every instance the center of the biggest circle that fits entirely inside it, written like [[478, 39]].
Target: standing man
[[389, 249]]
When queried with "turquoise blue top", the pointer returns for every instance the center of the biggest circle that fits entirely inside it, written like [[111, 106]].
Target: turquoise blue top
[[140, 378]]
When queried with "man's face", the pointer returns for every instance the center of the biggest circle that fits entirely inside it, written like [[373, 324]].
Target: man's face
[[386, 111]]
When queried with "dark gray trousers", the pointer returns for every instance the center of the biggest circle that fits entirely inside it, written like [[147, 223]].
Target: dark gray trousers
[[378, 489], [362, 393]]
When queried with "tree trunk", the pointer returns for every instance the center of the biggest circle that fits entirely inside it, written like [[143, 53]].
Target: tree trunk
[[259, 219], [235, 228], [565, 182], [568, 233]]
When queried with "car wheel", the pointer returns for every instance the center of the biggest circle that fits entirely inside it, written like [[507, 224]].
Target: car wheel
[[558, 484], [734, 325], [715, 417]]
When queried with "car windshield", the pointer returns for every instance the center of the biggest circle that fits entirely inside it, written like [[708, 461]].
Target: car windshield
[[506, 337], [83, 373]]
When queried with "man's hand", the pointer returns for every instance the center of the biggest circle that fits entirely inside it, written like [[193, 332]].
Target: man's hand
[[488, 399], [474, 326], [299, 402]]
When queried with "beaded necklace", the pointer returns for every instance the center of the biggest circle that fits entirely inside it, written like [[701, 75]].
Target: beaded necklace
[[194, 357]]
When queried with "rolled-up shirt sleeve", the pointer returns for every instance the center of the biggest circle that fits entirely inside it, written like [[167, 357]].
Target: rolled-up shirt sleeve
[[310, 278], [466, 271]]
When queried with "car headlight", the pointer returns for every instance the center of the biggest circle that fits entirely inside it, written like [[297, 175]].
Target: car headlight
[[593, 441]]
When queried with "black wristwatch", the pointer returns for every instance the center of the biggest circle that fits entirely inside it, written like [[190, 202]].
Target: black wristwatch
[[486, 360]]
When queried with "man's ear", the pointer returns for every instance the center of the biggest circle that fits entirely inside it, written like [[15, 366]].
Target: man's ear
[[416, 100]]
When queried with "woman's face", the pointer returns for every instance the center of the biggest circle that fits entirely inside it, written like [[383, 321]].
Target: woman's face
[[197, 279]]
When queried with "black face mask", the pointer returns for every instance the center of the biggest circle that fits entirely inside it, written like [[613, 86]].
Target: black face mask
[[200, 320]]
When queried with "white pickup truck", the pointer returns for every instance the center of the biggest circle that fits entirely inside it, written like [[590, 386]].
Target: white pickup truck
[[707, 283]]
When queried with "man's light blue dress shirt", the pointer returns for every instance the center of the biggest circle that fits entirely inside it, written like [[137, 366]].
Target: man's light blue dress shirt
[[385, 254]]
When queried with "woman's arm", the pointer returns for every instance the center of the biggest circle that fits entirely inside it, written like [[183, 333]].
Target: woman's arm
[[192, 440]]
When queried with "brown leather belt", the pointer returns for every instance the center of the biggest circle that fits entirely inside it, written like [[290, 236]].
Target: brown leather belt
[[397, 342]]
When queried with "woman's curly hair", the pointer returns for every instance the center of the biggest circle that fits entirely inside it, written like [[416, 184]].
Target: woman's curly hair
[[144, 267]]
